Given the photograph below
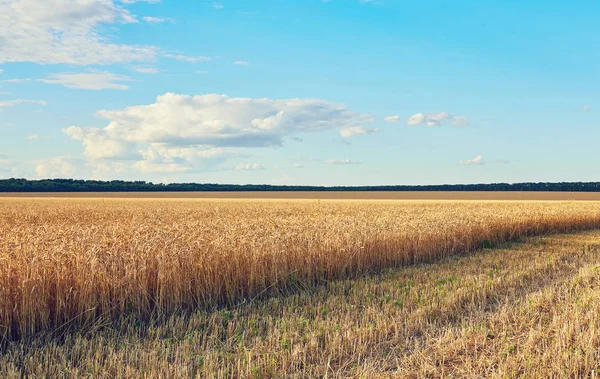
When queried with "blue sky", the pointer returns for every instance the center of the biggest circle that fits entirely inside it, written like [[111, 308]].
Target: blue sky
[[337, 92]]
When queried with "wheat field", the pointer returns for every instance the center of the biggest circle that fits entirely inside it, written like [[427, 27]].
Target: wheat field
[[71, 263], [529, 309]]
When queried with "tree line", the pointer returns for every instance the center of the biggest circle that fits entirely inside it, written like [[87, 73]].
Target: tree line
[[72, 185]]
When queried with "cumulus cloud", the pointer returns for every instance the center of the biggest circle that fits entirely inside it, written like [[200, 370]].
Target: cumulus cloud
[[435, 119], [394, 118], [179, 132], [220, 120], [478, 160], [11, 103], [341, 161], [93, 80], [356, 130], [249, 166], [65, 31], [99, 145], [58, 167]]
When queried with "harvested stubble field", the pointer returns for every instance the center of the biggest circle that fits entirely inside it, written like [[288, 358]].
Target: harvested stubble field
[[277, 288]]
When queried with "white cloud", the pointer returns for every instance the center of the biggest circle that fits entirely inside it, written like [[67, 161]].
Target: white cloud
[[6, 166], [10, 103], [185, 132], [141, 1], [154, 20], [58, 167], [4, 93], [394, 118], [1, 71], [65, 31], [146, 70], [186, 58], [16, 80], [585, 108], [217, 6], [460, 121], [478, 160], [93, 80], [298, 165], [249, 166], [356, 130], [241, 63], [435, 119], [153, 167], [36, 137], [415, 119], [99, 145], [341, 161], [219, 120]]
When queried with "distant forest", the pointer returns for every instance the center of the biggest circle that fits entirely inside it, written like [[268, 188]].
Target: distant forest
[[70, 185]]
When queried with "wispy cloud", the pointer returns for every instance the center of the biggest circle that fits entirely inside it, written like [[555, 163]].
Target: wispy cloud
[[16, 80], [34, 137], [141, 1], [394, 118], [185, 58], [146, 70], [11, 103], [241, 63], [217, 6], [93, 80], [341, 162], [155, 20], [585, 108]]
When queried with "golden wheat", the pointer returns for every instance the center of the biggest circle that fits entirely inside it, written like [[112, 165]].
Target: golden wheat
[[72, 262], [527, 310]]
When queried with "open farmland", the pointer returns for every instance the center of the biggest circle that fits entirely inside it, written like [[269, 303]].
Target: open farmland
[[529, 309], [67, 263]]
